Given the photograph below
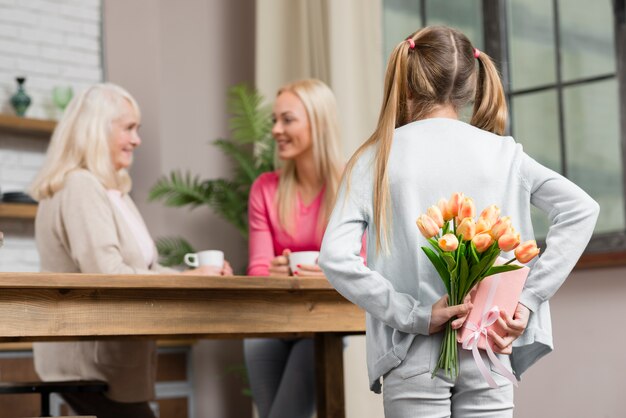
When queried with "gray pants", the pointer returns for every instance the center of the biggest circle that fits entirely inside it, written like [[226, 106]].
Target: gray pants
[[409, 390], [282, 376]]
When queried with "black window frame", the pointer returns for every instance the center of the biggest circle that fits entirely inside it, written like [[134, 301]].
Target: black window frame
[[604, 249]]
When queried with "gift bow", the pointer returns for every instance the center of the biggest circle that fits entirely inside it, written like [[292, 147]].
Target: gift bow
[[471, 343]]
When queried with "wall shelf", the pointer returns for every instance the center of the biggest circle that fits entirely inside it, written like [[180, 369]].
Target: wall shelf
[[18, 210], [38, 127]]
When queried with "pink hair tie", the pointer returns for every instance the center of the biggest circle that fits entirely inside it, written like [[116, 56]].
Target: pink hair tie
[[411, 43], [476, 52]]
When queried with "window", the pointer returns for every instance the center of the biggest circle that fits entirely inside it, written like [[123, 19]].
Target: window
[[559, 66]]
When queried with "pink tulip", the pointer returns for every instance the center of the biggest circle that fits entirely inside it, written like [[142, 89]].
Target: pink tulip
[[526, 251], [466, 209], [455, 202], [448, 242], [445, 209], [467, 228], [427, 226], [482, 242], [490, 215], [509, 241], [435, 214], [501, 227]]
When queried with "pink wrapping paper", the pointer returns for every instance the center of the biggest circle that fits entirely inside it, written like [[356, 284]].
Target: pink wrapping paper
[[502, 290]]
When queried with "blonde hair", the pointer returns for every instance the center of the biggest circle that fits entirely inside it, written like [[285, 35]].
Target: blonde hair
[[439, 70], [321, 108], [81, 141]]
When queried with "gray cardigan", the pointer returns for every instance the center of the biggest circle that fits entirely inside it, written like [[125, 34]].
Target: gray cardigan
[[431, 159]]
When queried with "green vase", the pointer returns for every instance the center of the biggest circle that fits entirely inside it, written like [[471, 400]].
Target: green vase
[[20, 100]]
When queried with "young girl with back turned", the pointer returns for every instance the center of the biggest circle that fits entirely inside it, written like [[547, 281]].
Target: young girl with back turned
[[419, 153]]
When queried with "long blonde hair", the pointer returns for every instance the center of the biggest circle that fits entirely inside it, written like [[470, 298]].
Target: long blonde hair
[[321, 108], [81, 141], [440, 69]]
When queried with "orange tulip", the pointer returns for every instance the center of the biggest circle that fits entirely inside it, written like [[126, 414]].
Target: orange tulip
[[490, 215], [467, 228], [427, 226], [482, 242], [448, 242], [501, 227], [435, 214], [455, 202], [509, 241], [482, 226], [445, 209], [466, 209], [526, 251]]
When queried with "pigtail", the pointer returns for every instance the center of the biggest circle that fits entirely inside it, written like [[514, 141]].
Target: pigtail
[[490, 110], [392, 113]]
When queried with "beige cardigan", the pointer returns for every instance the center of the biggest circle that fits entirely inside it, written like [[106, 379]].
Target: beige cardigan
[[79, 231]]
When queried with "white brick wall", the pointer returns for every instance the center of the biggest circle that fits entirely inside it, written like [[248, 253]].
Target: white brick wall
[[50, 42]]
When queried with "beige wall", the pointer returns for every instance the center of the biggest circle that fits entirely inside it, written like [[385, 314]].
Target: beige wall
[[178, 59], [584, 376]]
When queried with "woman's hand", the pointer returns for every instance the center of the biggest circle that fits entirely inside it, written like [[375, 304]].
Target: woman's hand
[[309, 270], [441, 313], [279, 266], [513, 328], [204, 271], [226, 270]]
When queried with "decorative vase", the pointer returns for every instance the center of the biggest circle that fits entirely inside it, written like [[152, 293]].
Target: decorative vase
[[20, 100]]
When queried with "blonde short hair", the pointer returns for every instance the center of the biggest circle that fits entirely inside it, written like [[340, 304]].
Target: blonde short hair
[[81, 141]]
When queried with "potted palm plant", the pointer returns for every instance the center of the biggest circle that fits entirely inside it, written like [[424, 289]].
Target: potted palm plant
[[251, 149]]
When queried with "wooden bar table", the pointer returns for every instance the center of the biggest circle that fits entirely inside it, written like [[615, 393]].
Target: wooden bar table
[[54, 307]]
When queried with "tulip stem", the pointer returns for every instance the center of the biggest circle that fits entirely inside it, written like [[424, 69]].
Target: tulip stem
[[510, 261]]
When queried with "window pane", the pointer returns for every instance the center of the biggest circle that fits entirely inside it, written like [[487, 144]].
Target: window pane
[[594, 156], [535, 126], [464, 15], [586, 38], [400, 19], [531, 35]]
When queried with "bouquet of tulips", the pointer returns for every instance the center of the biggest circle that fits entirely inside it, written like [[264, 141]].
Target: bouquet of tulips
[[463, 252]]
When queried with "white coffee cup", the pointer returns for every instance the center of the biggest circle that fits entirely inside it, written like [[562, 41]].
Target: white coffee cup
[[205, 258], [302, 257]]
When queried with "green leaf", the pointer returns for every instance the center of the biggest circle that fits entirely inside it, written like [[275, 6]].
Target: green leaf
[[449, 260], [502, 269], [250, 120], [439, 266], [180, 190], [463, 280], [172, 251], [474, 253]]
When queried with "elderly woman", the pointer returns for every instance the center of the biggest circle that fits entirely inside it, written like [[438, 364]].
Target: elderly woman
[[87, 223]]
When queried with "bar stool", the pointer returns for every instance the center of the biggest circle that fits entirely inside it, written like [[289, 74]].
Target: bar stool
[[46, 388]]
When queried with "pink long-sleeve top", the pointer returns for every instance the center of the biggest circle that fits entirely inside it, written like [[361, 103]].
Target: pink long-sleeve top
[[267, 237]]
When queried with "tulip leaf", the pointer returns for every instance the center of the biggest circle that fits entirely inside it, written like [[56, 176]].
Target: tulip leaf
[[446, 228], [449, 259], [435, 245], [502, 269], [439, 266], [463, 280], [473, 253]]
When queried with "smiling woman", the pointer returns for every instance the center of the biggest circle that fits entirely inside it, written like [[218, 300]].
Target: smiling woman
[[124, 136], [288, 211]]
